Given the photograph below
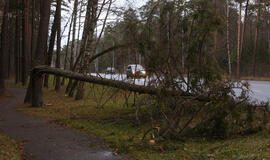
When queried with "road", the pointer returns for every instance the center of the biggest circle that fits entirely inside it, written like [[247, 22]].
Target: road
[[260, 90]]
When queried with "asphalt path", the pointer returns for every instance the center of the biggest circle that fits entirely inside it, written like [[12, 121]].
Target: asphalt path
[[47, 141]]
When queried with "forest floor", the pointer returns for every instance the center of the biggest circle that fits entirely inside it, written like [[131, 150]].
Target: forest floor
[[113, 121], [43, 140]]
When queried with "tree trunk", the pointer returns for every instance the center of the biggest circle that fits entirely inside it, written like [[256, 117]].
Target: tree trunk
[[4, 42], [18, 45], [73, 34], [80, 91], [57, 83], [39, 70], [89, 47], [228, 37], [244, 29], [11, 68], [256, 40], [239, 41], [36, 90], [26, 41], [51, 44], [215, 33], [69, 88], [34, 27], [67, 49], [79, 30], [72, 88]]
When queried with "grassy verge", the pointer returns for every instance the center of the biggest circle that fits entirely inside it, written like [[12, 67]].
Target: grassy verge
[[116, 123], [9, 149]]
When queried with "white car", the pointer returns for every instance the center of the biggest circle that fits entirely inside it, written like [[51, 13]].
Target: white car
[[135, 71], [110, 70]]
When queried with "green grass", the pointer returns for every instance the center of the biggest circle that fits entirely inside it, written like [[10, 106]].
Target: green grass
[[9, 149], [115, 123]]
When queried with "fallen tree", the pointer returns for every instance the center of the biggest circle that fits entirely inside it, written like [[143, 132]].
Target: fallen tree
[[38, 71], [212, 110]]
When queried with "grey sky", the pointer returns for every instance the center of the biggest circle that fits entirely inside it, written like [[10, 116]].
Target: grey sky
[[117, 3]]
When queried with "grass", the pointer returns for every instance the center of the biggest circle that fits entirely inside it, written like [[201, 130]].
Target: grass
[[115, 123], [9, 149]]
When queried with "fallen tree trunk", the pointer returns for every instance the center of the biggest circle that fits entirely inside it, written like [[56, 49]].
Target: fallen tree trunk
[[39, 70]]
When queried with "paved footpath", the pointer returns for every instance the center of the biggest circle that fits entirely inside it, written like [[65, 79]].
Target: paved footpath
[[47, 141]]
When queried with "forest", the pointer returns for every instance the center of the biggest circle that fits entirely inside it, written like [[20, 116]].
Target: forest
[[196, 55], [237, 41]]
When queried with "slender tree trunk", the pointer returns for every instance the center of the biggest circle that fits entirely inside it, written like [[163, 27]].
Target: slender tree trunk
[[228, 37], [35, 88], [79, 30], [4, 42], [33, 30], [256, 40], [215, 33], [57, 83], [18, 45], [89, 48], [16, 51], [268, 32], [72, 45], [67, 49], [72, 89], [51, 45], [26, 41], [239, 41], [73, 34], [11, 48], [2, 12], [244, 29]]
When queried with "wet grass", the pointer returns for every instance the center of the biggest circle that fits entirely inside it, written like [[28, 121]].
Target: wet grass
[[116, 124], [9, 149]]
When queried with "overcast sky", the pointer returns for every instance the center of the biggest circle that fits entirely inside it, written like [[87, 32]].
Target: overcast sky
[[135, 4]]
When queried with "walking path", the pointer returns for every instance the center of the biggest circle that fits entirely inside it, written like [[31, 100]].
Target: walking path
[[47, 141]]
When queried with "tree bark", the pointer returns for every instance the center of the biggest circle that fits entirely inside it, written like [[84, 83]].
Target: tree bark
[[239, 41], [39, 70], [17, 47], [51, 44], [26, 42], [79, 30], [244, 30], [57, 83], [89, 50], [256, 40], [67, 49], [4, 42], [73, 34], [11, 66], [69, 86], [228, 37], [36, 90]]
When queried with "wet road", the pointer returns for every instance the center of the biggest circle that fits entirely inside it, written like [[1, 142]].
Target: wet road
[[46, 141], [260, 90]]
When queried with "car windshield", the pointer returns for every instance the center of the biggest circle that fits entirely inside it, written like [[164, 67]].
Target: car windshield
[[136, 67], [110, 68]]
